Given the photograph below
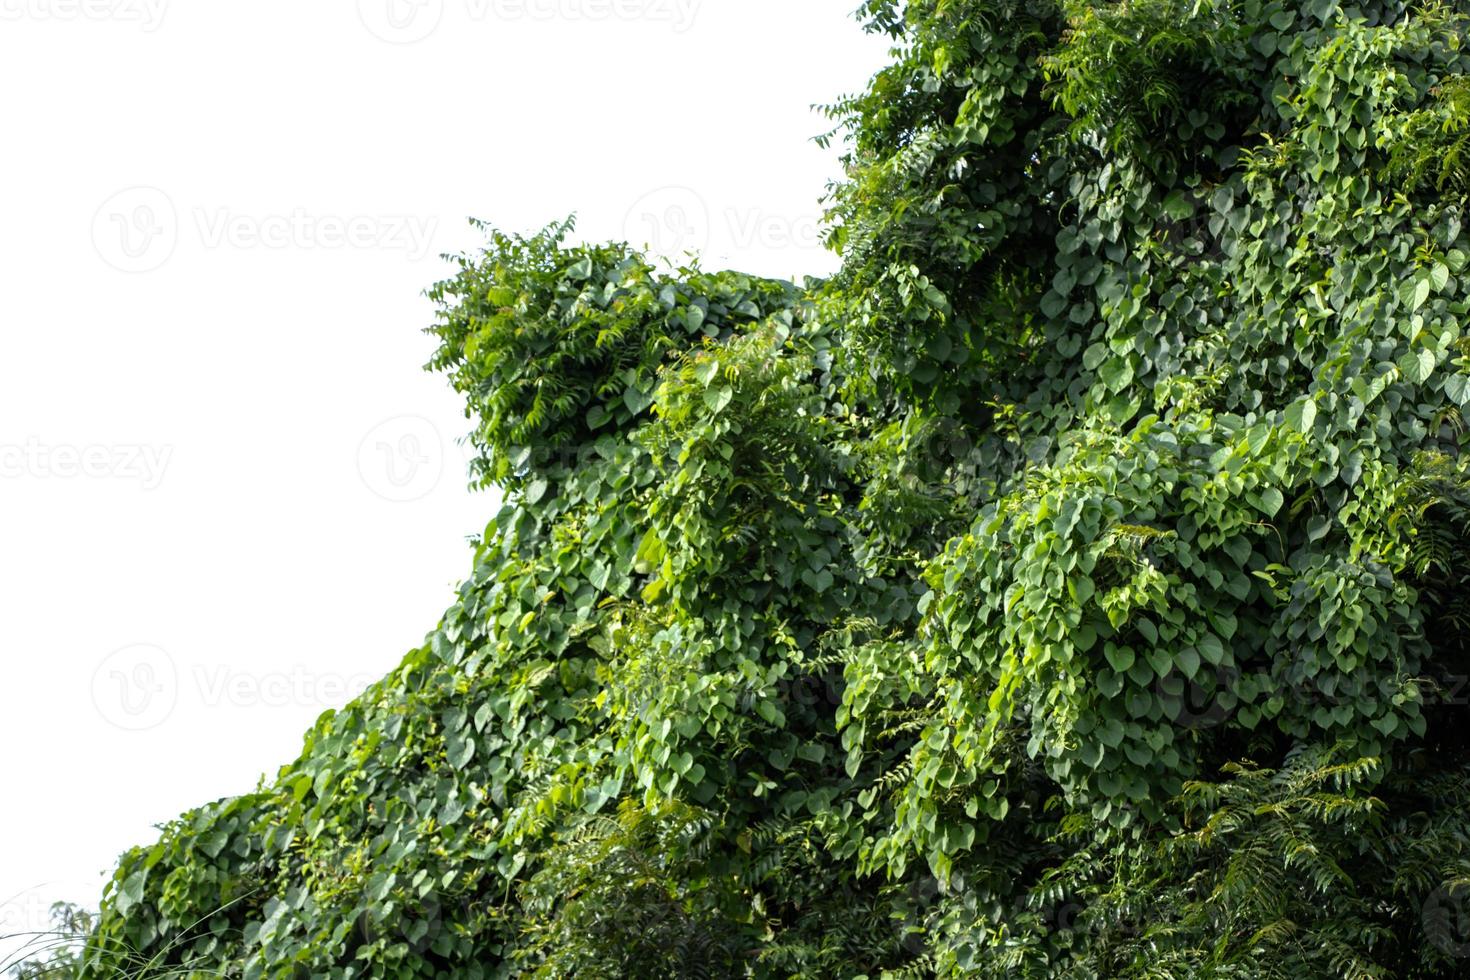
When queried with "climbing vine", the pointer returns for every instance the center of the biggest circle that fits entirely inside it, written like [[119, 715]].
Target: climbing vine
[[1071, 586]]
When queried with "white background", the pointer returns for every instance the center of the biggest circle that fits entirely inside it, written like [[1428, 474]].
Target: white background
[[229, 495]]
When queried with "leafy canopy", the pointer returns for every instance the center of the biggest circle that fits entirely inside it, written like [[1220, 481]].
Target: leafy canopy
[[1072, 586]]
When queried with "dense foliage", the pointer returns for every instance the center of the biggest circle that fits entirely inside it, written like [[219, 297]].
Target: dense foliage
[[1073, 586]]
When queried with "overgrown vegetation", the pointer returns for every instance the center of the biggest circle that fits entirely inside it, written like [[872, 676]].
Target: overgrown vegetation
[[1073, 586]]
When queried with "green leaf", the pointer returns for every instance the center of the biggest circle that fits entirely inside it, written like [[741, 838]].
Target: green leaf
[[1120, 658], [1116, 373], [1178, 207], [637, 399], [1417, 366], [650, 552], [1457, 389], [1188, 661], [1439, 276], [459, 750], [131, 892], [1302, 414], [718, 397], [820, 580], [1211, 648]]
